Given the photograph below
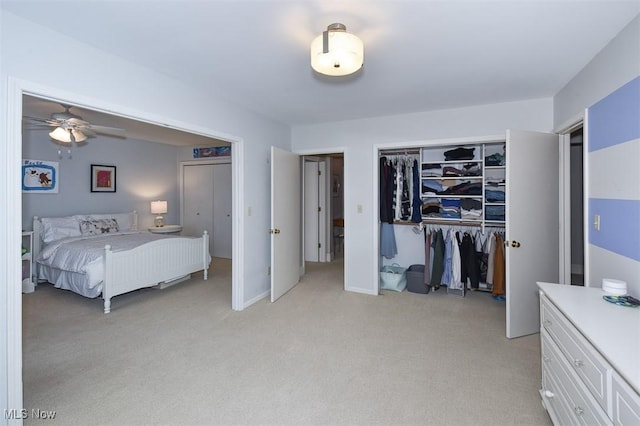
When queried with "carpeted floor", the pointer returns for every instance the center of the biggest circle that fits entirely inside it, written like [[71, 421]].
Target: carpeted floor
[[319, 355]]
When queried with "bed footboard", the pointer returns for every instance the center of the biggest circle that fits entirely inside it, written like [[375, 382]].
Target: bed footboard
[[153, 263]]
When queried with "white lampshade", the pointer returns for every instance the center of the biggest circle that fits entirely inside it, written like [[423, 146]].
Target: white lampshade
[[336, 52], [62, 135], [158, 207]]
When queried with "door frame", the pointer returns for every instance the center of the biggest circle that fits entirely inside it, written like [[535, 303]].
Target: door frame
[[377, 259], [12, 224], [346, 198], [564, 131]]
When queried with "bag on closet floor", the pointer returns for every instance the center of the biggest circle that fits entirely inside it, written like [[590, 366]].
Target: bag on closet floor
[[393, 277]]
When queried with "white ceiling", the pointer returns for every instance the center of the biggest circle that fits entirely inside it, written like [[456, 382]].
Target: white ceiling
[[419, 55]]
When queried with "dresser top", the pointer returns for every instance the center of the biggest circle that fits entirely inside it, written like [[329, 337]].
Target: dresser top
[[613, 330]]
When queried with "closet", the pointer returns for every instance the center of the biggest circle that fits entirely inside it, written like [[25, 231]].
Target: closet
[[506, 184]]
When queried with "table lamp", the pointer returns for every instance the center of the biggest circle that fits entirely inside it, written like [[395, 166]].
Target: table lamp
[[159, 208]]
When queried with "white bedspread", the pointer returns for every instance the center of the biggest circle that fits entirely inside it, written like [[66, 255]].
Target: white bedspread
[[85, 255]]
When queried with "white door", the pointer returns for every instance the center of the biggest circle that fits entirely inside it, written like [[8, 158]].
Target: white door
[[311, 212], [532, 240], [221, 234], [197, 201], [285, 221]]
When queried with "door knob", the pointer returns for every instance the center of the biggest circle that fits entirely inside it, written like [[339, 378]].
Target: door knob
[[515, 244]]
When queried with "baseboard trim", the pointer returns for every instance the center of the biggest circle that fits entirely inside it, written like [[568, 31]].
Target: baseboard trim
[[361, 291], [256, 299]]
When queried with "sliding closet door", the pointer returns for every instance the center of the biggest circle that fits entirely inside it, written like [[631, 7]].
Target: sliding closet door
[[532, 240]]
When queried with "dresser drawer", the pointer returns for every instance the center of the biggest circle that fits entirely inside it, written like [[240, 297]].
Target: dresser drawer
[[583, 358], [569, 387], [553, 399], [625, 401]]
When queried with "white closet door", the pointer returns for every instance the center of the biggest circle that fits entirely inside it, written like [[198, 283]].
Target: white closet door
[[532, 248], [221, 234], [285, 221], [198, 201]]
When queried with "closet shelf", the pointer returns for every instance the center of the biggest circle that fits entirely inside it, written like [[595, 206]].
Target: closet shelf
[[474, 161], [451, 177], [479, 196]]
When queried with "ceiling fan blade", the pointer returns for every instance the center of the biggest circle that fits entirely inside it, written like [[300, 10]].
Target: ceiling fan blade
[[39, 121], [103, 130]]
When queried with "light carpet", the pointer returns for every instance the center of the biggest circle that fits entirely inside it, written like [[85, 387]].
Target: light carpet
[[319, 355]]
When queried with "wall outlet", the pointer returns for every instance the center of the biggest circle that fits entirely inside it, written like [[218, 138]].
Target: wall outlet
[[596, 222]]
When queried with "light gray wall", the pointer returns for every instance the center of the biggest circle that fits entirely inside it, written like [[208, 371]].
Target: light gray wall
[[122, 86], [145, 171], [615, 65], [358, 138]]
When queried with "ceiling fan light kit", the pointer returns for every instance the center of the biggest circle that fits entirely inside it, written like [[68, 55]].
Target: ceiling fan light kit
[[336, 52], [67, 135]]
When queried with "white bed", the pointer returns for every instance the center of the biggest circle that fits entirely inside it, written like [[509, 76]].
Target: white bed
[[105, 254]]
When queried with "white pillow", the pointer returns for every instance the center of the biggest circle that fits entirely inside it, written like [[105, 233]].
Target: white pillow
[[125, 220], [56, 228]]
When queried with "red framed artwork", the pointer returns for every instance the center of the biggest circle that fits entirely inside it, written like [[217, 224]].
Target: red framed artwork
[[103, 178]]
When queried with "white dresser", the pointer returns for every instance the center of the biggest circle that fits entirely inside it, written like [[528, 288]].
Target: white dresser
[[590, 357]]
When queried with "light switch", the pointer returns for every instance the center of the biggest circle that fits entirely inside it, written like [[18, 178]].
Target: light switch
[[596, 222]]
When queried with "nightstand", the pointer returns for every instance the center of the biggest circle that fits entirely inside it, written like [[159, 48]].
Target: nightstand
[[28, 283], [166, 229]]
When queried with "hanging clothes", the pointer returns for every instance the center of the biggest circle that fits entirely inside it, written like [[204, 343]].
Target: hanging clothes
[[388, 247], [470, 266], [438, 260], [499, 268], [416, 205], [386, 190], [447, 275], [427, 257], [491, 259], [405, 207]]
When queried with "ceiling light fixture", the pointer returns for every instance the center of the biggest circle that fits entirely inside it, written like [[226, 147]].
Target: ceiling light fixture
[[336, 52], [61, 134]]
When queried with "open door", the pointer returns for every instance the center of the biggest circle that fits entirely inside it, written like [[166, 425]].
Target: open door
[[532, 243], [285, 221]]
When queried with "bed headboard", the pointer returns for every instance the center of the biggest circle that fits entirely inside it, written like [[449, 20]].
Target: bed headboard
[[126, 221]]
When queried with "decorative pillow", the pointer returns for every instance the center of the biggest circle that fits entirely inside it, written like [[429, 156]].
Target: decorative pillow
[[125, 220], [56, 228], [98, 226]]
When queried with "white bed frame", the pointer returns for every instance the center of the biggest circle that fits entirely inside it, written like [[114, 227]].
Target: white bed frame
[[161, 261]]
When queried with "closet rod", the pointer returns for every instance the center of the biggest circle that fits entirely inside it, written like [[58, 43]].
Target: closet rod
[[404, 152]]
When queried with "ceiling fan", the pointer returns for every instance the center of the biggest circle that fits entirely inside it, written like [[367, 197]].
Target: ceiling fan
[[71, 128]]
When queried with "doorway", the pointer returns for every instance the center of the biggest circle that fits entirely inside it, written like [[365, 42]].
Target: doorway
[[576, 196], [323, 207], [572, 216], [18, 89]]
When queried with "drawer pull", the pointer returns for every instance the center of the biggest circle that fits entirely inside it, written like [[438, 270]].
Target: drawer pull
[[546, 323], [578, 411], [548, 394], [578, 362]]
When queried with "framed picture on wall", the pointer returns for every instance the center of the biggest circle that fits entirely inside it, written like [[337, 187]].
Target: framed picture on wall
[[103, 178]]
